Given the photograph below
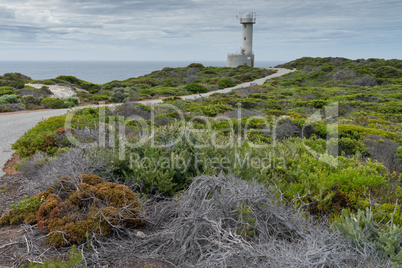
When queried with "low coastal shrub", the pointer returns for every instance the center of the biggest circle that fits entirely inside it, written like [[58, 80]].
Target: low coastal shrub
[[53, 103], [40, 138], [196, 88], [46, 91], [56, 103], [6, 91], [215, 109], [247, 103], [359, 132], [364, 232], [119, 94], [11, 107], [5, 99], [73, 100], [73, 260], [196, 65], [226, 82], [25, 211], [70, 102], [90, 87], [399, 154], [30, 101], [76, 208], [99, 97]]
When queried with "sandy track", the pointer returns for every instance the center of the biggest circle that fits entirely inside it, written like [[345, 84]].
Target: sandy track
[[61, 92]]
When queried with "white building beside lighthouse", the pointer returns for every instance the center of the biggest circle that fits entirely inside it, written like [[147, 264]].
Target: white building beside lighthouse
[[246, 56]]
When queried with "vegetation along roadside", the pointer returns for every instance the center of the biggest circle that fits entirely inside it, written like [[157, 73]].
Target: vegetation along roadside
[[303, 171]]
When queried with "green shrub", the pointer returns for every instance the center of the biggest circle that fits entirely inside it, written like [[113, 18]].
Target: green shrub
[[90, 87], [364, 232], [40, 138], [72, 100], [140, 82], [272, 105], [16, 77], [68, 104], [24, 211], [11, 107], [225, 82], [99, 97], [349, 146], [43, 136], [6, 91], [275, 112], [29, 100], [388, 72], [399, 154], [119, 95], [331, 189], [357, 132], [196, 65], [69, 78], [317, 103], [327, 67], [53, 103], [168, 169], [5, 99], [247, 103], [215, 109], [258, 96], [144, 107], [196, 88], [210, 70], [46, 90], [74, 260], [17, 84]]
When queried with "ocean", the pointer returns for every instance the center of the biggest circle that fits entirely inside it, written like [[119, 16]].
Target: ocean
[[101, 72]]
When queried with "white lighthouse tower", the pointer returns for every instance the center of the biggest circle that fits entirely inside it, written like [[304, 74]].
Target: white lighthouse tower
[[246, 56]]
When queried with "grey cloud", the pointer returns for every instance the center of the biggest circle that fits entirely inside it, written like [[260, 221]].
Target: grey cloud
[[6, 13], [22, 29], [137, 23]]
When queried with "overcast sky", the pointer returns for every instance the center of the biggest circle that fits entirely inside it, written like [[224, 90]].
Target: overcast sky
[[197, 29]]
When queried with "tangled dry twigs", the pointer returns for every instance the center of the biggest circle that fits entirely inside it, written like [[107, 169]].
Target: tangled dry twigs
[[227, 222]]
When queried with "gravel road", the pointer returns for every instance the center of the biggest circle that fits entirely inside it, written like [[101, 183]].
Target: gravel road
[[14, 125]]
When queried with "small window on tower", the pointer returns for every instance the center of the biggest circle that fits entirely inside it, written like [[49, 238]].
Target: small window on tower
[[244, 39]]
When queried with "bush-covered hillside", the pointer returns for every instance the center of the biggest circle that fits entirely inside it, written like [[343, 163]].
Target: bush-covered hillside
[[195, 78], [341, 71], [15, 95], [192, 79], [302, 171]]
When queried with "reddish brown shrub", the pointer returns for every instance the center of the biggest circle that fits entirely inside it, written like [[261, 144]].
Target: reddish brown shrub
[[42, 217], [76, 208]]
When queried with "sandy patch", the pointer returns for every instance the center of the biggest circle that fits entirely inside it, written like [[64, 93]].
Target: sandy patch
[[61, 92]]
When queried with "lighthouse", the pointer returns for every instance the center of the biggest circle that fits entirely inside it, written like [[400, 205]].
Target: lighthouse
[[246, 56]]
